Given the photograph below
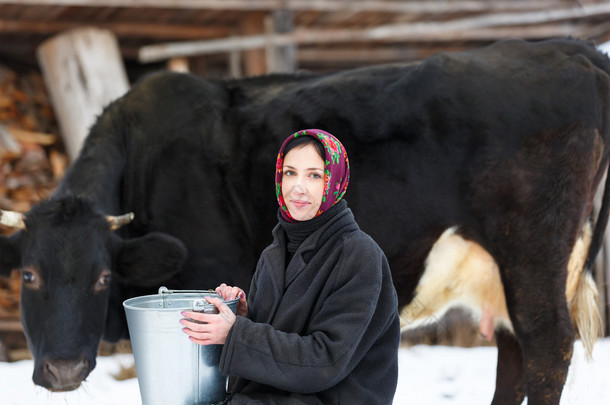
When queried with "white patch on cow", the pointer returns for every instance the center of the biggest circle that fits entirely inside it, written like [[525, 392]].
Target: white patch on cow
[[458, 273], [582, 294], [577, 262], [461, 273]]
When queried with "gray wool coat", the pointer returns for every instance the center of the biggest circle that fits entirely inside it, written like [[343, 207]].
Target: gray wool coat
[[324, 330]]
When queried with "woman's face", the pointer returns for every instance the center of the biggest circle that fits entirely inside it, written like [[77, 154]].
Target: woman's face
[[303, 182]]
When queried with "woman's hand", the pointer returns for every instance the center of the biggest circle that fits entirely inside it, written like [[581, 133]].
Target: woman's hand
[[215, 327], [228, 293]]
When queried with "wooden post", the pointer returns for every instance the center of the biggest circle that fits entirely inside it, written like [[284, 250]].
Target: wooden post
[[254, 59], [282, 58], [235, 64], [83, 71]]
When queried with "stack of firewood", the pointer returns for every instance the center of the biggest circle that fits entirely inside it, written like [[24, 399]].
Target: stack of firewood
[[32, 161], [31, 154]]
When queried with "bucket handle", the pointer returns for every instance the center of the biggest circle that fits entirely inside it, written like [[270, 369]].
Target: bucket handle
[[164, 290], [196, 305]]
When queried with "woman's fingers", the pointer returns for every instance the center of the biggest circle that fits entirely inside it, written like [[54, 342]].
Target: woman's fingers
[[200, 338], [224, 311], [229, 293], [203, 334], [202, 342], [196, 334], [206, 329], [221, 289], [195, 316], [209, 328]]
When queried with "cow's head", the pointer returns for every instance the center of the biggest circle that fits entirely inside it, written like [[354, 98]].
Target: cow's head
[[70, 259]]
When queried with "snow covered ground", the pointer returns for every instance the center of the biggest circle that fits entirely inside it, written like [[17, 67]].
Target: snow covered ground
[[443, 375], [427, 375]]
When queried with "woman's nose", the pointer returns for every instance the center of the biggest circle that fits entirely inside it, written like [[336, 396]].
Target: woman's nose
[[299, 188]]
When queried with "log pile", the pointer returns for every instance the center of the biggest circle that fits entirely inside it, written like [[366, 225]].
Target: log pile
[[31, 157], [32, 161]]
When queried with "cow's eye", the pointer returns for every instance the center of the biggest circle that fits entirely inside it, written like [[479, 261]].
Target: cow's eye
[[103, 281], [30, 278]]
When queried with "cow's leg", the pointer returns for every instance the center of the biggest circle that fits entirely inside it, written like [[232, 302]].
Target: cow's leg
[[541, 320], [547, 360], [510, 378], [532, 207]]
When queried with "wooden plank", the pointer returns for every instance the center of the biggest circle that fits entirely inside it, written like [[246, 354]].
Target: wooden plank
[[39, 138], [593, 31], [256, 5], [313, 5], [487, 21], [10, 325], [124, 30], [412, 32]]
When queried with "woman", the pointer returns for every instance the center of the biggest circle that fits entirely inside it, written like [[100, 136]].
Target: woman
[[321, 323]]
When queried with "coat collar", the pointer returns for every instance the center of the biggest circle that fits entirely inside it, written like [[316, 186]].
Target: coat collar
[[275, 255]]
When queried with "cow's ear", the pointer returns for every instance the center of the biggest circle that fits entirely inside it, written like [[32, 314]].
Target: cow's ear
[[10, 256], [150, 260]]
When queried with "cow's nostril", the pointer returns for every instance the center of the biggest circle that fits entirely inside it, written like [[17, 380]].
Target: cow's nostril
[[49, 372], [83, 369], [64, 375]]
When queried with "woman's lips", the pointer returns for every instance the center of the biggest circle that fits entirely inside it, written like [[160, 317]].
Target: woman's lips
[[300, 204]]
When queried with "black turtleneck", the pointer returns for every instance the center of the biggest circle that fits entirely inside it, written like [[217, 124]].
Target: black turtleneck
[[297, 232]]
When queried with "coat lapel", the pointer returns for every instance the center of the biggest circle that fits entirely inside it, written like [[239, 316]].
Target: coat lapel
[[275, 257]]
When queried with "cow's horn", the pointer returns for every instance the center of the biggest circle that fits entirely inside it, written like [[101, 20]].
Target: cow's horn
[[12, 219], [119, 221]]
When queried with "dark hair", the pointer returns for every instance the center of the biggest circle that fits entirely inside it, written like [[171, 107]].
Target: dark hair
[[301, 141]]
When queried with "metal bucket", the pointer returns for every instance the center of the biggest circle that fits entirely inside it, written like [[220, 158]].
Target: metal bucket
[[172, 369]]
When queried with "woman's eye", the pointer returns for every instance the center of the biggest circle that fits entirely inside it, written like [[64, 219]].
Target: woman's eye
[[316, 176], [288, 173]]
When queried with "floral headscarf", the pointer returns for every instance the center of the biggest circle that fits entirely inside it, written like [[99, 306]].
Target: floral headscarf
[[336, 170]]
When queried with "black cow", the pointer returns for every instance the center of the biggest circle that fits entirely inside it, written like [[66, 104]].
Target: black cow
[[492, 156]]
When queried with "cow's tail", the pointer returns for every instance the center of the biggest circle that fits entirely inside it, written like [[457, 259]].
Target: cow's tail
[[584, 306]]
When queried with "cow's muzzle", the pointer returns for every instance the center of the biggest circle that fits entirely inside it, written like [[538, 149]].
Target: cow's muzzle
[[62, 375]]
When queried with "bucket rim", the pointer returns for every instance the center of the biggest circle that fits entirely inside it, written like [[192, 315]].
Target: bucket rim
[[129, 302]]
